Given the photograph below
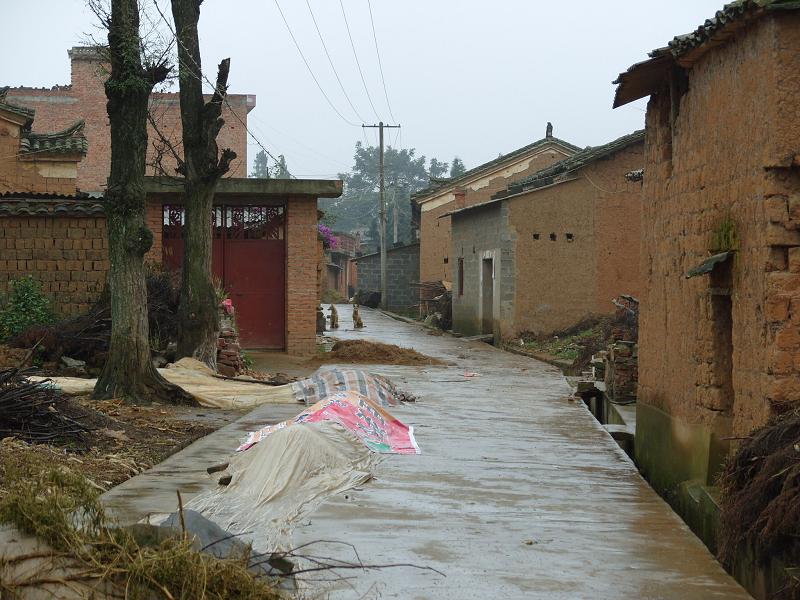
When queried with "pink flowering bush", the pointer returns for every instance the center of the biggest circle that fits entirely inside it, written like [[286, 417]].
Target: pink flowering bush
[[328, 239]]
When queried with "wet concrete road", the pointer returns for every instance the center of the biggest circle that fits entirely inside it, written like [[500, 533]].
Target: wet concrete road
[[518, 493]]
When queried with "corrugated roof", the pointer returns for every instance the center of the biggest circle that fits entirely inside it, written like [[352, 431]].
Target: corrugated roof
[[439, 184], [16, 204], [641, 79]]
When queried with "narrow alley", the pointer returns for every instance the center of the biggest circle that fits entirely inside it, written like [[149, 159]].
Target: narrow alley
[[518, 492]]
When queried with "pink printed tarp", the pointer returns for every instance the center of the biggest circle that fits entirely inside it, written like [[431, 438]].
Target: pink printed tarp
[[375, 427]]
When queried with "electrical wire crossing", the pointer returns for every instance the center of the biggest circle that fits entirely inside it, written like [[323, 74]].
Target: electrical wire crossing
[[308, 66], [380, 64], [358, 64], [330, 61]]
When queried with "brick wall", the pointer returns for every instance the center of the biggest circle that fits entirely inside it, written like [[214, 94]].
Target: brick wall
[[302, 276], [435, 234], [402, 269], [60, 106], [68, 255]]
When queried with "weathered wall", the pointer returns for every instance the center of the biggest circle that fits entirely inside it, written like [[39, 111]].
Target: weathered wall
[[435, 234], [69, 256], [548, 280], [60, 106], [402, 269], [739, 116], [482, 234]]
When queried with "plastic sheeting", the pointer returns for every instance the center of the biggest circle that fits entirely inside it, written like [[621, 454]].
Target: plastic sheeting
[[377, 429], [283, 479], [327, 381]]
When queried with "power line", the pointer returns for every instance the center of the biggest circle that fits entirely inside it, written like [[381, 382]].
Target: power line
[[202, 78], [330, 61], [358, 64], [380, 65], [308, 66]]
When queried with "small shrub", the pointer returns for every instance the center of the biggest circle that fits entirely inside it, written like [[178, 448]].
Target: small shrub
[[26, 305]]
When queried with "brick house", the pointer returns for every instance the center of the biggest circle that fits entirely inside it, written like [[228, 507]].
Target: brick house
[[265, 233], [84, 99], [472, 187], [552, 248], [341, 273], [719, 351]]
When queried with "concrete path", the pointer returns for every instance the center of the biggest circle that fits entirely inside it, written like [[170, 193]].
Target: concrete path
[[519, 492]]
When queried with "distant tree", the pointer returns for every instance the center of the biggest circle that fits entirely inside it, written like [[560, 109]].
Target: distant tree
[[358, 207], [280, 171], [457, 167], [437, 169], [260, 166]]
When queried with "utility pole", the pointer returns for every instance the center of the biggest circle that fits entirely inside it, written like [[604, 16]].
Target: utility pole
[[381, 126]]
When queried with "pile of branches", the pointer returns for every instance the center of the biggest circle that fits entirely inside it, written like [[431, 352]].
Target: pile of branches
[[436, 302], [86, 337], [760, 503], [33, 412]]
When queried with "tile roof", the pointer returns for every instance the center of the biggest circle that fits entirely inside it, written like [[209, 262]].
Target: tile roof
[[558, 172], [641, 79], [549, 175], [16, 204], [22, 111], [69, 141], [439, 184]]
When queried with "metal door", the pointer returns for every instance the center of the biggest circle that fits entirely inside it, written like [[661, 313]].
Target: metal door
[[249, 259]]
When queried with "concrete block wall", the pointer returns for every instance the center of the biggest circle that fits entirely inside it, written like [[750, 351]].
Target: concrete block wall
[[402, 267]]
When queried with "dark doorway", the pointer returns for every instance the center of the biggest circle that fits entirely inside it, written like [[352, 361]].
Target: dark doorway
[[487, 266]]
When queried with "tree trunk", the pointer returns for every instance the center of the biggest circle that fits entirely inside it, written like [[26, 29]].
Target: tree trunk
[[198, 316], [128, 372]]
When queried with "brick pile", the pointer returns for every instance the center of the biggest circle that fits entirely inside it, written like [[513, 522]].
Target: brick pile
[[229, 351]]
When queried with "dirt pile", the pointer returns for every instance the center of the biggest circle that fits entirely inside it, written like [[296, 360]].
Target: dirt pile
[[363, 351], [760, 504]]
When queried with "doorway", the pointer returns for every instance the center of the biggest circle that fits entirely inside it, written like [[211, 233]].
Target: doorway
[[487, 295]]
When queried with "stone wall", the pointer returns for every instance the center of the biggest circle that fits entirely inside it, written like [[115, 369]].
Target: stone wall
[[725, 152], [402, 268], [62, 105]]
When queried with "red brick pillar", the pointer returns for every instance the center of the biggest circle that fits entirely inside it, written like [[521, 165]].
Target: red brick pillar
[[301, 276]]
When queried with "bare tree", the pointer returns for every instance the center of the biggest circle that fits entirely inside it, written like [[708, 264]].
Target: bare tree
[[203, 166], [128, 371]]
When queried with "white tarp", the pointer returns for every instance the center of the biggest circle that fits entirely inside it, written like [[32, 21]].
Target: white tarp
[[284, 478]]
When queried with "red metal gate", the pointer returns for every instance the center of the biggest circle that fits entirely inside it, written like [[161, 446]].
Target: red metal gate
[[249, 259]]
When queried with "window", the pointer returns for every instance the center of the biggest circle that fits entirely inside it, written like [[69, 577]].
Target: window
[[536, 236], [460, 276], [570, 237], [553, 237], [446, 260]]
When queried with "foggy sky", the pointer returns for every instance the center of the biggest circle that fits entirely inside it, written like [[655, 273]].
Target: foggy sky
[[470, 78]]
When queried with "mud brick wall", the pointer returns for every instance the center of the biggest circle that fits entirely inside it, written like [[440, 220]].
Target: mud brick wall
[[62, 105], [730, 153], [302, 275], [69, 256], [402, 270], [621, 371], [435, 233]]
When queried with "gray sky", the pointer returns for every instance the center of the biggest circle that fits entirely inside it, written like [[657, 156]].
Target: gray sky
[[464, 77]]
